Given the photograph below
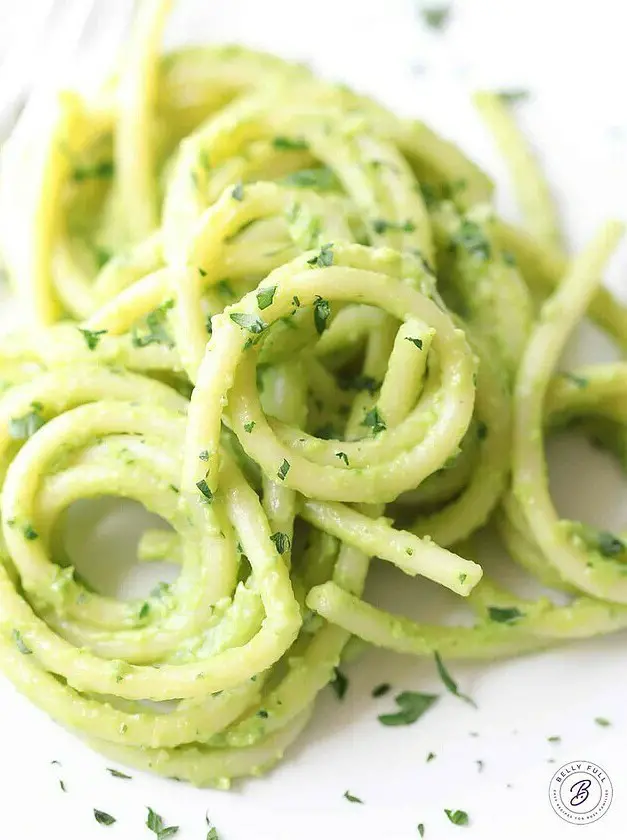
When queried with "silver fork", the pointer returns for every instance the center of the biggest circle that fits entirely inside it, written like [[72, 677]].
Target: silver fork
[[69, 41]]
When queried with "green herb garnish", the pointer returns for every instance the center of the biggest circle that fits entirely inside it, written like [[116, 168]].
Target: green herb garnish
[[385, 225], [421, 829], [20, 644], [430, 757], [343, 457], [601, 721], [103, 818], [155, 823], [281, 542], [411, 706], [154, 331], [205, 490], [457, 817], [30, 533], [320, 178], [381, 689], [505, 615], [374, 421], [103, 170], [608, 544], [472, 239], [579, 381], [324, 258], [339, 683], [265, 297], [283, 469], [145, 609], [252, 323], [322, 312], [513, 96], [203, 455], [92, 337], [449, 682], [290, 144], [416, 341], [349, 796], [248, 427], [436, 17], [554, 739], [117, 774]]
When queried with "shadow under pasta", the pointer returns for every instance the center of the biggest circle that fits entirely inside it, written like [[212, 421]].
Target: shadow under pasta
[[101, 538]]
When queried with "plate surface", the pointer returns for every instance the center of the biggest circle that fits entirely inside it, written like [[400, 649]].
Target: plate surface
[[572, 59]]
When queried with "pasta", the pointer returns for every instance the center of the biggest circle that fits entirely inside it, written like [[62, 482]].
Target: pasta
[[291, 325]]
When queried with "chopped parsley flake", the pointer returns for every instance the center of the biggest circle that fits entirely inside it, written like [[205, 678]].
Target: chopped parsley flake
[[238, 192], [248, 427], [505, 615], [601, 721], [381, 689], [103, 818], [324, 258], [20, 644], [415, 341], [117, 774], [374, 421], [421, 829], [360, 382], [145, 609], [265, 297], [322, 312], [608, 544], [449, 682], [514, 96], [283, 470], [462, 577], [339, 683], [204, 489], [92, 337], [290, 144], [384, 225], [436, 17], [554, 739], [30, 533], [252, 323], [203, 455], [430, 757], [154, 331], [103, 170], [349, 796], [411, 706], [472, 239], [457, 817], [320, 178], [482, 430], [343, 457], [281, 542], [155, 823], [579, 381]]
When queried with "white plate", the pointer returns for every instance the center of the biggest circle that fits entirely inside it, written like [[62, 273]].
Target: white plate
[[569, 55]]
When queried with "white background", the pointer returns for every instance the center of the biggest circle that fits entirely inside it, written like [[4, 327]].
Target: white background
[[571, 55]]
